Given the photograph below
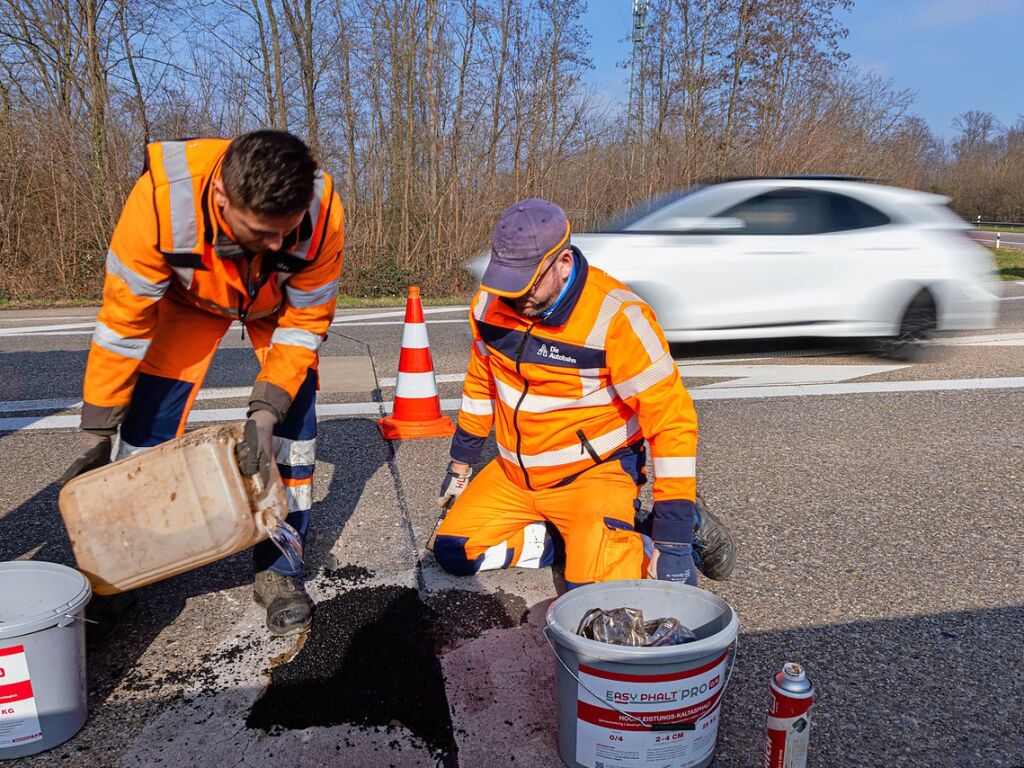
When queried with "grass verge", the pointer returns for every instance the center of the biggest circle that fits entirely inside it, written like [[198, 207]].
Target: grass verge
[[1009, 263], [1000, 228]]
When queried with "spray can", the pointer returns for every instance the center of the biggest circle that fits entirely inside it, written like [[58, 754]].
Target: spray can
[[789, 718]]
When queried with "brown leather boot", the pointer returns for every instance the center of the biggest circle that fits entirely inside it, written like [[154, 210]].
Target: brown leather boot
[[289, 609]]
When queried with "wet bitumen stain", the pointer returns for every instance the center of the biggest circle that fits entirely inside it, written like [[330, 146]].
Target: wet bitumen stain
[[372, 660]]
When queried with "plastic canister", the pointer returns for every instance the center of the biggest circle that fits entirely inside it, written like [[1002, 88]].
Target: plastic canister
[[42, 656], [167, 510], [635, 706]]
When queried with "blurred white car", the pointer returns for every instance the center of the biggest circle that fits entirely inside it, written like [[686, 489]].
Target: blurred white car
[[797, 257]]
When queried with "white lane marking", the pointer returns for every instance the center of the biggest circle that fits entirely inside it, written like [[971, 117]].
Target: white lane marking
[[772, 375], [47, 404], [83, 328], [343, 319], [62, 403], [343, 410], [858, 388], [989, 340], [395, 322], [1010, 298], [741, 375], [37, 319], [60, 328]]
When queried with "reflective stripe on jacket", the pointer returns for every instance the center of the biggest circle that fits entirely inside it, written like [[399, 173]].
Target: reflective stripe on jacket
[[571, 391], [169, 239]]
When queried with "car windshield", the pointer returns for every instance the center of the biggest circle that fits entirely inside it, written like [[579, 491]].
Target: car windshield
[[624, 220]]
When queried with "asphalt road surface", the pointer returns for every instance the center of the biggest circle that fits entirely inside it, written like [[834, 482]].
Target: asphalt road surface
[[876, 504]]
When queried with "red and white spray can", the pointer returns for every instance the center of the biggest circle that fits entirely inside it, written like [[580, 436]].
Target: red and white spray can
[[789, 718]]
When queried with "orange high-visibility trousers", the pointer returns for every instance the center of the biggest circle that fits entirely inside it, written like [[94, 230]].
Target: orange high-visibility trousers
[[496, 524]]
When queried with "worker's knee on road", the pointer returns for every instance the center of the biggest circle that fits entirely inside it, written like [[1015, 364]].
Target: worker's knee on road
[[450, 553]]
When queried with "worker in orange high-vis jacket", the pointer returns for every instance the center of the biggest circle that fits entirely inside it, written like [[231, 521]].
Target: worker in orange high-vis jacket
[[573, 372], [218, 231]]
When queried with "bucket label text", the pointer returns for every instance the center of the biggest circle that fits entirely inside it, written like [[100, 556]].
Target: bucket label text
[[19, 718], [605, 737]]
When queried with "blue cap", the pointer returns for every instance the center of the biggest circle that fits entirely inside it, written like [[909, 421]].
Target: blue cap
[[526, 234]]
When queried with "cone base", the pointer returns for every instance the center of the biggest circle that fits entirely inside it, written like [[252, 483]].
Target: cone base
[[394, 429]]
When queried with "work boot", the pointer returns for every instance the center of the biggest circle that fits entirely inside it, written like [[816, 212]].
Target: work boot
[[104, 615], [714, 552], [289, 609]]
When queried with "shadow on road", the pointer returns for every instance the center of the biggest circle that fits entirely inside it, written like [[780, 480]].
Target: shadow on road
[[35, 528]]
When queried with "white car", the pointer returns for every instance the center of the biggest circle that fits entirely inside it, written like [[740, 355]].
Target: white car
[[798, 257]]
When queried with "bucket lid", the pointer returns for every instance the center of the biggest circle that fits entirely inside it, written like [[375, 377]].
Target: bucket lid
[[36, 595]]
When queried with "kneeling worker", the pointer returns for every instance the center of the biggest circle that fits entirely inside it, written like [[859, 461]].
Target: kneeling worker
[[218, 231], [572, 369]]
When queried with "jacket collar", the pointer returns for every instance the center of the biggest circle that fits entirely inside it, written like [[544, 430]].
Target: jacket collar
[[569, 301]]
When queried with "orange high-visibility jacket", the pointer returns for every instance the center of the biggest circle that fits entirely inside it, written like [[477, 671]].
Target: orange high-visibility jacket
[[171, 241], [583, 386]]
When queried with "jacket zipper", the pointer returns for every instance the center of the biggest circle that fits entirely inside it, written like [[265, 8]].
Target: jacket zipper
[[522, 397], [585, 446], [253, 289]]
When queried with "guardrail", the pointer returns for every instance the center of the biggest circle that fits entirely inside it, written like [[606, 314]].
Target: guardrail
[[1001, 234], [1008, 224]]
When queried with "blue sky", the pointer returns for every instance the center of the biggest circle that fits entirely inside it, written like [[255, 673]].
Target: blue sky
[[955, 55]]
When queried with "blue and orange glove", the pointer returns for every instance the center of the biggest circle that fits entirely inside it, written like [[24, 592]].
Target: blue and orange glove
[[670, 526], [672, 562]]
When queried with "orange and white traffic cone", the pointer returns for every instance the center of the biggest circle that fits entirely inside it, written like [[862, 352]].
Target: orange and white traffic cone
[[417, 411]]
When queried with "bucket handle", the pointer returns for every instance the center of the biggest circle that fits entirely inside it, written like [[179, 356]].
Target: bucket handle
[[688, 726]]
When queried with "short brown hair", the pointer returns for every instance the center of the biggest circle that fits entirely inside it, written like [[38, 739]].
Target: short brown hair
[[269, 172]]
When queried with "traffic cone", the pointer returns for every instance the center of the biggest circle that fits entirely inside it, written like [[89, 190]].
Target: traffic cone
[[417, 411]]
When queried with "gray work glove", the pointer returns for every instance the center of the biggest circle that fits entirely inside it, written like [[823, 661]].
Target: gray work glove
[[94, 452], [256, 452]]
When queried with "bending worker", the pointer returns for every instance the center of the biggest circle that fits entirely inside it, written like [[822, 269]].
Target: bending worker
[[574, 372], [218, 231]]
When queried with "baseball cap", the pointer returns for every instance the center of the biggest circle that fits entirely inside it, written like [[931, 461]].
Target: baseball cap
[[526, 234]]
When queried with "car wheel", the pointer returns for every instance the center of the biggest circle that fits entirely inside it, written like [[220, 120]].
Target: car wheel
[[919, 322]]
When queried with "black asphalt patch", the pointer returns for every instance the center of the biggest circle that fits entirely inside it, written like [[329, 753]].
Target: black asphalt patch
[[372, 660]]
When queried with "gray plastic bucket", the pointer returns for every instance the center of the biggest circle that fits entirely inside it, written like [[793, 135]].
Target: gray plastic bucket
[[641, 707], [42, 656]]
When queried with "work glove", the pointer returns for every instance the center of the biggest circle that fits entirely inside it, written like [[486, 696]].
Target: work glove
[[672, 562], [670, 527], [94, 453], [452, 486], [256, 452]]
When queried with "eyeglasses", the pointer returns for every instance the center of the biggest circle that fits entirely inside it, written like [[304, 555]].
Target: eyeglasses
[[540, 277]]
